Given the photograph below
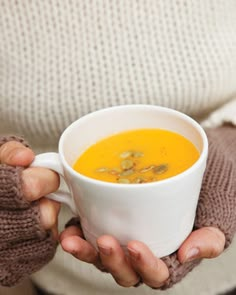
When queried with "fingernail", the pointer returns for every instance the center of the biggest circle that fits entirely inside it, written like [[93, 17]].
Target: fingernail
[[104, 250], [133, 254], [192, 254]]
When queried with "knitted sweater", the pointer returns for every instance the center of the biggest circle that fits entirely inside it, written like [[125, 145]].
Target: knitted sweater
[[62, 59]]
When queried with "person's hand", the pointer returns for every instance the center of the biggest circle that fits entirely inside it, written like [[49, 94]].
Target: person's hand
[[140, 264], [36, 182]]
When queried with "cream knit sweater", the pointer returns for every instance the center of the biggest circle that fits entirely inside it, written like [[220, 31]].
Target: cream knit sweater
[[62, 59]]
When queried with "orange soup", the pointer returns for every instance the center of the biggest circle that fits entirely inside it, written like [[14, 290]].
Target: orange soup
[[137, 156]]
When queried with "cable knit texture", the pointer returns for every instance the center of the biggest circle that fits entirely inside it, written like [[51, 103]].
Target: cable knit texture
[[24, 245], [60, 60]]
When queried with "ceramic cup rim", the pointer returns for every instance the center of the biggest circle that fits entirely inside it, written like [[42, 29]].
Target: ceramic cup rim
[[170, 180]]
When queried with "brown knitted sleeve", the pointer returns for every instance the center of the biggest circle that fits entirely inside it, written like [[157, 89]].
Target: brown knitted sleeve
[[24, 245], [217, 203]]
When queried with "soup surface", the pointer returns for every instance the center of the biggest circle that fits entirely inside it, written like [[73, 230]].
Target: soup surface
[[137, 156]]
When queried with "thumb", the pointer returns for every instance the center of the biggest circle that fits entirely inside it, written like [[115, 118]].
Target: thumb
[[207, 242], [15, 154]]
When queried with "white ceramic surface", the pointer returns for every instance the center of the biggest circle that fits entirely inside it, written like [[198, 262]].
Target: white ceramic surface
[[161, 214]]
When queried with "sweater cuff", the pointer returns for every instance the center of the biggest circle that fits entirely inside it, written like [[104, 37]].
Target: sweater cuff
[[217, 202], [177, 270]]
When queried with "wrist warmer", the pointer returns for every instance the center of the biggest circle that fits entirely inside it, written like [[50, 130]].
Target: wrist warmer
[[217, 202], [25, 246], [4, 139]]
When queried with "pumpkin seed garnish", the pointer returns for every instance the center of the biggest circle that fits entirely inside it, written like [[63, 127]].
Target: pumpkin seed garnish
[[115, 171], [146, 169], [123, 180], [138, 154], [160, 169], [127, 168], [127, 172], [102, 169], [127, 164], [139, 180], [126, 154]]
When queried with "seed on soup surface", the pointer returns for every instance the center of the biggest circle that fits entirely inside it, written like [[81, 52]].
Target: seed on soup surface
[[137, 156]]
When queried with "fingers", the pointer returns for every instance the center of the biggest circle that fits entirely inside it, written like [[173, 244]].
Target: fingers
[[49, 211], [72, 242], [38, 182], [152, 270], [15, 154], [71, 231], [116, 262], [207, 242], [126, 270]]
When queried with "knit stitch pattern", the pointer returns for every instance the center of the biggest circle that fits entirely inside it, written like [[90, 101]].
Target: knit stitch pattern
[[217, 204]]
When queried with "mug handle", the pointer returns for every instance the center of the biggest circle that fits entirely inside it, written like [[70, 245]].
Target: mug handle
[[52, 161]]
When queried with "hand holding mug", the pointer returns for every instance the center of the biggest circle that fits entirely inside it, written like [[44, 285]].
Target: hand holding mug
[[147, 220]]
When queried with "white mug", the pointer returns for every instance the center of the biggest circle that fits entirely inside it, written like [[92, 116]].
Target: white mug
[[160, 214]]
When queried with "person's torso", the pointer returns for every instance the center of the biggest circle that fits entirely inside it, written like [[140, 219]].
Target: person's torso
[[62, 59]]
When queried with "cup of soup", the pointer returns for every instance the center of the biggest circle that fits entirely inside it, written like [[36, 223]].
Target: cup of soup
[[133, 172]]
